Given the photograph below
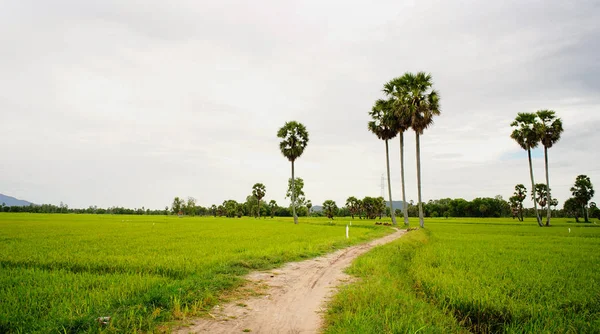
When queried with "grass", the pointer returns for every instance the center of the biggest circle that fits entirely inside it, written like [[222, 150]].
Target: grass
[[60, 273], [475, 275]]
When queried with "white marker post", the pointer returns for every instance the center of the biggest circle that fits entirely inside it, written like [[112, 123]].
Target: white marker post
[[569, 230], [347, 230]]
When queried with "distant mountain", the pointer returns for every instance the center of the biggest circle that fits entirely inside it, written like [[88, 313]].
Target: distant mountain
[[316, 208], [395, 204], [11, 201]]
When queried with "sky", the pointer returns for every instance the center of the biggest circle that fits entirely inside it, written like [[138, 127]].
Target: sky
[[131, 103]]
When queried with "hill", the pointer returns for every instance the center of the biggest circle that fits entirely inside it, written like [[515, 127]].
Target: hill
[[11, 201]]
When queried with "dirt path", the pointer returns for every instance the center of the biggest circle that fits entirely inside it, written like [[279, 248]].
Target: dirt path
[[295, 295]]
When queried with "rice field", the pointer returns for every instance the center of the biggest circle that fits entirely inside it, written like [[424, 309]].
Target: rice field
[[476, 275], [60, 273]]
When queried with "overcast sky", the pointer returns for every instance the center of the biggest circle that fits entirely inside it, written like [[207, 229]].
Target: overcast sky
[[131, 103]]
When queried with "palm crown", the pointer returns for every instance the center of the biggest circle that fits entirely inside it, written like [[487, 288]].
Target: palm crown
[[526, 134], [415, 102], [383, 120], [295, 139], [550, 128]]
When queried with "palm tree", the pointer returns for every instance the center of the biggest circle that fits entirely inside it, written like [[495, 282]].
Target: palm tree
[[549, 129], [330, 208], [527, 137], [295, 139], [308, 206], [272, 206], [583, 191], [353, 205], [417, 103], [258, 191], [393, 89], [381, 126]]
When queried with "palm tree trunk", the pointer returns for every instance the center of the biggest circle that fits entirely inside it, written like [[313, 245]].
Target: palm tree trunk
[[421, 222], [259, 209], [294, 196], [537, 214], [387, 160], [585, 214], [547, 187], [404, 209]]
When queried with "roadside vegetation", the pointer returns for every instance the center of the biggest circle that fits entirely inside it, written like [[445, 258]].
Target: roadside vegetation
[[476, 275]]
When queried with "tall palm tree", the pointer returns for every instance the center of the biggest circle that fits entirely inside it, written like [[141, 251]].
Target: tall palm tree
[[417, 104], [394, 90], [549, 130], [258, 190], [295, 139], [526, 135], [381, 126]]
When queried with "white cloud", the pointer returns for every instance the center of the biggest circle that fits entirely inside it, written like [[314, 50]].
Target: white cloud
[[132, 103]]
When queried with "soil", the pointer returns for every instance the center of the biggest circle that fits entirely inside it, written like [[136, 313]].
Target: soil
[[291, 299]]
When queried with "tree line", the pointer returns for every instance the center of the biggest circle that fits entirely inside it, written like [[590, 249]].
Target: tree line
[[545, 128]]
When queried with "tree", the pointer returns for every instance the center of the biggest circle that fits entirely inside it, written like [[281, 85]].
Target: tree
[[272, 207], [190, 206], [571, 208], [394, 90], [583, 191], [213, 210], [527, 136], [514, 206], [294, 140], [258, 190], [520, 194], [541, 192], [308, 206], [232, 208], [353, 205], [381, 126], [177, 205], [594, 211], [369, 207], [417, 104], [330, 208], [298, 193], [549, 130], [380, 206]]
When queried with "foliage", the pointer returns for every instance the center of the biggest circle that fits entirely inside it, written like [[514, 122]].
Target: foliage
[[177, 205], [330, 208], [549, 128], [572, 208], [258, 191], [294, 139], [353, 205], [59, 273], [583, 191], [272, 207], [298, 184]]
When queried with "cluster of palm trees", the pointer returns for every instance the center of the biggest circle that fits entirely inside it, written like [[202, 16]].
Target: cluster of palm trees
[[531, 129], [410, 103]]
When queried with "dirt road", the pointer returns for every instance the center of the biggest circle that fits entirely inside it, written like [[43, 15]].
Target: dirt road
[[293, 299]]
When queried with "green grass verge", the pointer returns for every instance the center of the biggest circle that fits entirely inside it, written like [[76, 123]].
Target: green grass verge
[[485, 276], [59, 273]]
